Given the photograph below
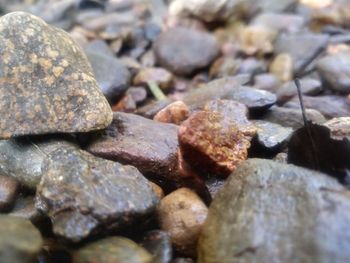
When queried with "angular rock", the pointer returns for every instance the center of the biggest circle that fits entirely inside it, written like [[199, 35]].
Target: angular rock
[[331, 106], [272, 212], [335, 71], [20, 241], [112, 250], [182, 214], [48, 85], [272, 136], [302, 47], [83, 194], [292, 117], [23, 158], [211, 143], [160, 76], [183, 51], [175, 113], [111, 75], [8, 192], [158, 243], [148, 145]]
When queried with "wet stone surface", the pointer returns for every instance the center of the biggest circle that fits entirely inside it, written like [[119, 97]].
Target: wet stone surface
[[83, 194], [49, 86]]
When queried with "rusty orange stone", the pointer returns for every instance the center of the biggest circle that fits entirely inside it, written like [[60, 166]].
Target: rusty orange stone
[[175, 112]]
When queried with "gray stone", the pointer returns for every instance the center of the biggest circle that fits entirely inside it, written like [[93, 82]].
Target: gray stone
[[83, 194], [20, 241], [292, 117], [335, 71], [183, 51], [24, 207], [272, 212], [112, 250], [111, 75], [286, 22], [301, 46], [158, 243], [47, 85], [8, 192]]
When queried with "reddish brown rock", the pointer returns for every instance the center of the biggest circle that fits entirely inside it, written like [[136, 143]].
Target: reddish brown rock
[[162, 77], [212, 143], [175, 112], [182, 214]]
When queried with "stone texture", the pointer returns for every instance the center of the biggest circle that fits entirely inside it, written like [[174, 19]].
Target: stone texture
[[24, 207], [257, 40], [182, 214], [162, 77], [183, 51], [335, 71], [282, 67], [111, 74], [47, 85], [175, 113], [158, 243], [272, 212], [112, 250], [292, 117], [339, 127], [148, 145], [302, 47], [20, 241], [286, 22], [211, 143], [8, 192], [83, 194]]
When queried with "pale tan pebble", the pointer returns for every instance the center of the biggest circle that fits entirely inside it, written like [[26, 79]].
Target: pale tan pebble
[[175, 112], [282, 67], [158, 190]]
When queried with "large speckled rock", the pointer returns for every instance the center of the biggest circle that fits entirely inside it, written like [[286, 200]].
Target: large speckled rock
[[112, 250], [83, 194], [20, 241], [46, 82], [271, 212]]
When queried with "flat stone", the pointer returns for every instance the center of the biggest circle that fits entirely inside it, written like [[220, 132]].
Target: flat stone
[[308, 86], [331, 106], [302, 47], [111, 75], [23, 158], [182, 214], [8, 192], [275, 5], [286, 22], [266, 81], [273, 212], [83, 194], [293, 118], [211, 143], [112, 250], [48, 85], [272, 136], [335, 71], [160, 76], [20, 241], [158, 243], [180, 50]]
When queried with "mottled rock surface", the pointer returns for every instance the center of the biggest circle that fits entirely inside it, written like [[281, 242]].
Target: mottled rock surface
[[83, 194], [47, 84], [158, 243], [20, 241], [8, 192], [175, 113], [212, 143], [148, 145], [182, 214], [112, 250], [272, 212], [182, 50], [339, 127]]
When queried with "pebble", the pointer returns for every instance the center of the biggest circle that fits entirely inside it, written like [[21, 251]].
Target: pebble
[[158, 243], [20, 241], [138, 94], [335, 71], [112, 250], [148, 145], [160, 76], [224, 67], [268, 211], [150, 110], [175, 113], [286, 22], [8, 192], [111, 74], [302, 47], [84, 195], [293, 118], [24, 207], [49, 86], [182, 214], [183, 51], [339, 127], [266, 81], [212, 144], [282, 67]]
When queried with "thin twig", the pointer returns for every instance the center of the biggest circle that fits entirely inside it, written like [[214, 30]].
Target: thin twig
[[156, 91]]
